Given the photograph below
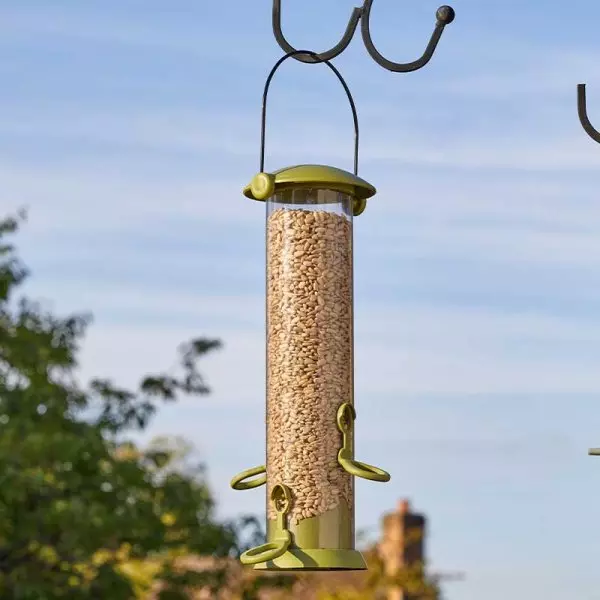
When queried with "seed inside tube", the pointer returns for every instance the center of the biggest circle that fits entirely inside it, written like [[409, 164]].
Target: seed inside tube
[[309, 356]]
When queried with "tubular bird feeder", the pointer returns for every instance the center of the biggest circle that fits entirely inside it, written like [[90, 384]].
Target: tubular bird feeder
[[310, 414]]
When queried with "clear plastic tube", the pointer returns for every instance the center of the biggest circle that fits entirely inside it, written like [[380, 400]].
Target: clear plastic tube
[[310, 360]]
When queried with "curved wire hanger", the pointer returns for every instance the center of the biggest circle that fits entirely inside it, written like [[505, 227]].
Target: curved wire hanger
[[444, 16], [583, 116], [315, 58]]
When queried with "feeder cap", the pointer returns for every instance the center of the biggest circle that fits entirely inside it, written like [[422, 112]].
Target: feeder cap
[[264, 185]]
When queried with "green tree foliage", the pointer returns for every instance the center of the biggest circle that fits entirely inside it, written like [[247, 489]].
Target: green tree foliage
[[84, 513]]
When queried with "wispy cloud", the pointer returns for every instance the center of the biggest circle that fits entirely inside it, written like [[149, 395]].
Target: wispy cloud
[[127, 26], [407, 349]]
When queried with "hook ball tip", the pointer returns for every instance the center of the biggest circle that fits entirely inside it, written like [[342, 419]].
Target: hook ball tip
[[445, 14]]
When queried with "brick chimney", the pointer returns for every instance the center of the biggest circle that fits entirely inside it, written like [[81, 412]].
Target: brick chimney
[[402, 543]]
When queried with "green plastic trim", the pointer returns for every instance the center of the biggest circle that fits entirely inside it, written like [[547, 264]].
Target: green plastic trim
[[267, 552], [281, 497], [361, 469], [238, 483], [300, 559], [334, 529], [346, 416], [322, 543], [358, 207], [264, 185]]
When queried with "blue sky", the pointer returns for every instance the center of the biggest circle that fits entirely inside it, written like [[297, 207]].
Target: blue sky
[[129, 128]]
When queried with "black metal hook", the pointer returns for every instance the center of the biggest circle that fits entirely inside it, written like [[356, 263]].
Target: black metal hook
[[314, 57], [445, 15], [583, 116]]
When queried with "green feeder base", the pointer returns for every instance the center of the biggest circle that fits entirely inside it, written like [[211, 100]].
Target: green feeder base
[[297, 559]]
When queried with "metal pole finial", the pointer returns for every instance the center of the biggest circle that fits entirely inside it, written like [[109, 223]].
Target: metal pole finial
[[585, 122], [444, 16]]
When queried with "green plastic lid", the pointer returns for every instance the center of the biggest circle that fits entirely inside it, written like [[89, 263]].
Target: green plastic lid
[[264, 185]]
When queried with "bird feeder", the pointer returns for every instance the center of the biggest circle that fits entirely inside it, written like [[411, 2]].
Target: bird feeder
[[310, 415]]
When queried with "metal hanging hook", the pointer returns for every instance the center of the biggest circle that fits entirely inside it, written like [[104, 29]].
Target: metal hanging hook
[[314, 57], [445, 15], [583, 116]]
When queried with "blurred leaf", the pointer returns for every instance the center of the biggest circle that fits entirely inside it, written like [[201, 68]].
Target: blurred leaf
[[84, 512]]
